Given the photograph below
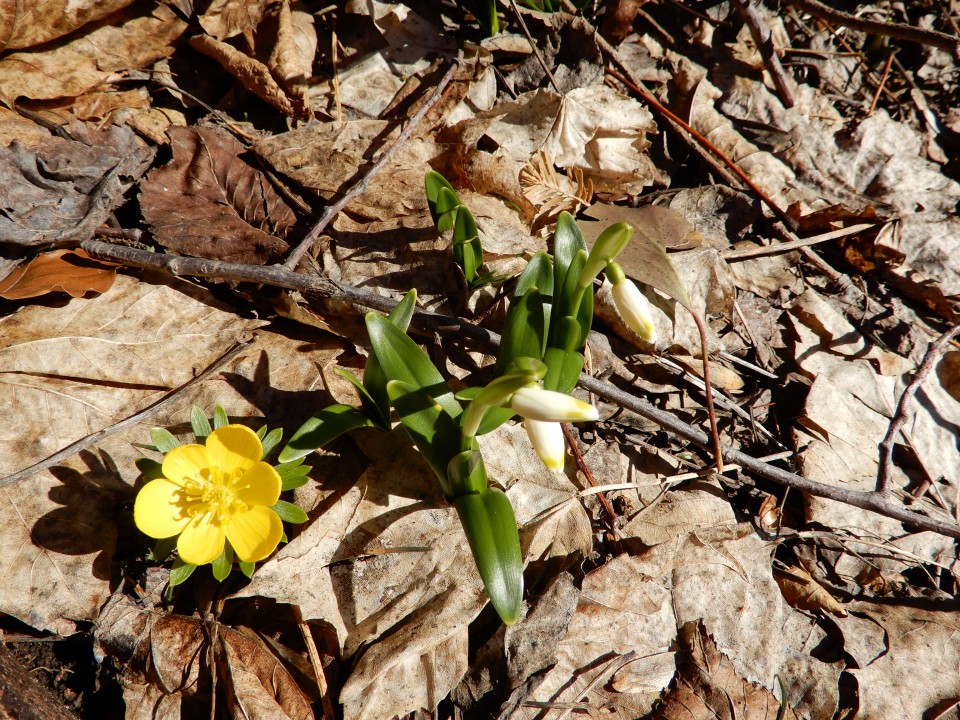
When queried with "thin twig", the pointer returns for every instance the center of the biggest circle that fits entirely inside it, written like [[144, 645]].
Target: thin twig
[[315, 663], [790, 245], [885, 471], [281, 277], [883, 83], [764, 42], [149, 411], [708, 391], [898, 31], [533, 46], [582, 467], [360, 186]]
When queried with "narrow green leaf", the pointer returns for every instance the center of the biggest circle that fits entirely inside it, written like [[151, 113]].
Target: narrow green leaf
[[537, 274], [149, 468], [261, 433], [448, 206], [467, 250], [289, 512], [563, 369], [567, 242], [403, 360], [467, 473], [491, 529], [200, 424], [374, 378], [433, 183], [271, 440], [163, 440], [220, 418], [524, 332], [327, 425], [433, 431]]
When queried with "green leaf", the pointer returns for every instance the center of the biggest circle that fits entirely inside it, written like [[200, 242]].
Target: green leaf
[[491, 529], [261, 433], [467, 473], [200, 424], [220, 418], [537, 274], [374, 379], [179, 572], [222, 566], [563, 369], [434, 183], [567, 242], [289, 512], [292, 483], [569, 306], [149, 468], [494, 418], [403, 360], [524, 333], [433, 431], [270, 441], [327, 425], [467, 250], [247, 568], [163, 440]]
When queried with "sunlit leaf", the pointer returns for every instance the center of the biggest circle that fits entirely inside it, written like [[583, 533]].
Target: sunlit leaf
[[327, 425]]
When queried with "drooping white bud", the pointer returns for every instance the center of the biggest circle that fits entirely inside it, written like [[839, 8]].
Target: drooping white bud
[[634, 309], [535, 403], [547, 440]]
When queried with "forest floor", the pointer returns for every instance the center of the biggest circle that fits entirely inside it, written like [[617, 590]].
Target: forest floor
[[201, 201]]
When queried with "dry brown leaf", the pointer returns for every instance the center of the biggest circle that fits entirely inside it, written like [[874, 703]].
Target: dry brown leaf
[[70, 271], [60, 191], [253, 74], [165, 657], [803, 592], [208, 202], [225, 18], [549, 193], [131, 38], [25, 24], [708, 687], [291, 60]]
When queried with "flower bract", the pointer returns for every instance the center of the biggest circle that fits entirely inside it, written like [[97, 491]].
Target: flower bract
[[213, 493]]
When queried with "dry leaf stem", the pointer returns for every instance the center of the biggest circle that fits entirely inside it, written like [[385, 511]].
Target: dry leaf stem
[[360, 186], [885, 471], [279, 276], [582, 466]]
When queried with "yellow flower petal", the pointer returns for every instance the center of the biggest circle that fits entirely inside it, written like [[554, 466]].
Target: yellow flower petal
[[159, 510], [260, 485], [254, 534], [234, 447], [186, 462], [201, 541]]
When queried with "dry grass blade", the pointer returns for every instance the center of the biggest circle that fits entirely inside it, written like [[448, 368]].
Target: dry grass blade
[[551, 193]]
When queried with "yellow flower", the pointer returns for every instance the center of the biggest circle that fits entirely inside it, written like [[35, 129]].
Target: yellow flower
[[209, 494]]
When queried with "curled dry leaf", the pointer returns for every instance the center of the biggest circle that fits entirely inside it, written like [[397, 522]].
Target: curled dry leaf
[[291, 61], [209, 202], [803, 592], [254, 75], [60, 191], [70, 271], [131, 38]]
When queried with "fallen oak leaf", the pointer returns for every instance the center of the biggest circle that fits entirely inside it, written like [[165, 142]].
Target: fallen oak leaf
[[70, 271]]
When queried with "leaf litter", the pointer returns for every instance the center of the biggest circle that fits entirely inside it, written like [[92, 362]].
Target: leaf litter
[[690, 601]]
